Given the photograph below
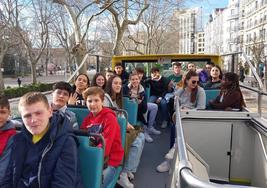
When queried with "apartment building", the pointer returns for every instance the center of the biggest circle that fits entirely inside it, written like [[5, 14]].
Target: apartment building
[[188, 23], [200, 42], [215, 32], [253, 26]]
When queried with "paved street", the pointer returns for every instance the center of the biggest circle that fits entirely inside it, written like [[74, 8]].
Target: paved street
[[12, 82]]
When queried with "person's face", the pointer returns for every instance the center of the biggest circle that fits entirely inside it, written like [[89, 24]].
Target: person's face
[[155, 75], [94, 103], [208, 68], [108, 75], [100, 81], [225, 82], [140, 75], [192, 82], [191, 67], [177, 69], [135, 81], [116, 85], [4, 115], [215, 72], [118, 70], [81, 82], [36, 117], [60, 98]]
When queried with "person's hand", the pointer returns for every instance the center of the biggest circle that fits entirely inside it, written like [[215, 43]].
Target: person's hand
[[73, 99], [129, 126]]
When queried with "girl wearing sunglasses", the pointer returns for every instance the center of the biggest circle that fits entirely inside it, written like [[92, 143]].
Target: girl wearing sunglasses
[[191, 96]]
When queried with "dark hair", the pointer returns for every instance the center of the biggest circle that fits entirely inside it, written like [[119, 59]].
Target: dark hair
[[88, 81], [63, 86], [154, 69], [95, 90], [210, 63], [194, 91], [95, 77], [178, 64], [114, 96], [32, 98], [140, 70], [4, 102], [233, 77], [118, 65]]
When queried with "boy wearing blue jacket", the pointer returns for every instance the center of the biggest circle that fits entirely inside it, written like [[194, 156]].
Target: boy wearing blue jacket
[[44, 153]]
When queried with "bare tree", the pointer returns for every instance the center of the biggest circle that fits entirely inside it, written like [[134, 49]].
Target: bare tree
[[155, 33], [79, 12], [122, 12], [8, 39]]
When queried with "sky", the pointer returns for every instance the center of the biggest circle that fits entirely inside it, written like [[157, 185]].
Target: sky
[[207, 6]]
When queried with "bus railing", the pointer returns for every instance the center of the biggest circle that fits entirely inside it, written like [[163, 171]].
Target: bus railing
[[186, 176]]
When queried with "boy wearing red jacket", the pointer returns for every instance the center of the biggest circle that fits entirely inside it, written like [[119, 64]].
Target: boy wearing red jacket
[[103, 120], [7, 131]]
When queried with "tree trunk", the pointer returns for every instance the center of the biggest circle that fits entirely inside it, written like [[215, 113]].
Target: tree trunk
[[33, 70], [2, 84], [117, 46]]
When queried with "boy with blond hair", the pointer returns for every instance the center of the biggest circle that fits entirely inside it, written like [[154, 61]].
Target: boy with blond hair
[[44, 153]]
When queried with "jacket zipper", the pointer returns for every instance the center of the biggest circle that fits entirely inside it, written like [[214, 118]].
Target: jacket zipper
[[47, 149]]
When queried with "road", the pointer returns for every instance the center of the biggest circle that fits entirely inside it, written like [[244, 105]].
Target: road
[[12, 82]]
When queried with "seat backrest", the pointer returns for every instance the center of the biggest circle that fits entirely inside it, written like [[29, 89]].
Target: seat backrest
[[123, 125], [211, 95], [91, 163], [80, 112], [147, 91], [131, 107]]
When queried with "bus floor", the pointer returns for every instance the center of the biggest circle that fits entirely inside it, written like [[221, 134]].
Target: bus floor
[[153, 154]]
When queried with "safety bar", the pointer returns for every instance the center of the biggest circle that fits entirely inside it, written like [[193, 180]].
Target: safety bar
[[244, 56], [186, 176]]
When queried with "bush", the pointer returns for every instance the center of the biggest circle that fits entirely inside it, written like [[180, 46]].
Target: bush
[[19, 91]]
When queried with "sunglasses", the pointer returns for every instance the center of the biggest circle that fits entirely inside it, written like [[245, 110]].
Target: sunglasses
[[194, 82]]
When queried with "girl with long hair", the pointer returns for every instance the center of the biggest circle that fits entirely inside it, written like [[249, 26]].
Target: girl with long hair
[[215, 78], [81, 83], [99, 80], [230, 97], [191, 96]]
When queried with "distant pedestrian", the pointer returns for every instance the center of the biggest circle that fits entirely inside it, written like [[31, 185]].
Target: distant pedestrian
[[19, 81]]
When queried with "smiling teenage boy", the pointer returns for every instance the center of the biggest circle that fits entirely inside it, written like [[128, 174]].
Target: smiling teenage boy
[[44, 153]]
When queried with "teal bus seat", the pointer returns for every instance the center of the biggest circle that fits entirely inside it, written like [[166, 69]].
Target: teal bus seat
[[91, 162], [122, 120], [80, 111], [211, 95], [147, 92], [131, 107]]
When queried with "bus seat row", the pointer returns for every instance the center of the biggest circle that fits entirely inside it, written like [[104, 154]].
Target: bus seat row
[[92, 158], [211, 95]]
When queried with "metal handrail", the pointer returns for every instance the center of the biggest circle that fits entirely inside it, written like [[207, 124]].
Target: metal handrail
[[186, 177], [260, 84]]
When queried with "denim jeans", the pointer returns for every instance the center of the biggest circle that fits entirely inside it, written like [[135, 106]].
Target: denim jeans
[[163, 106], [108, 175], [152, 109], [135, 153]]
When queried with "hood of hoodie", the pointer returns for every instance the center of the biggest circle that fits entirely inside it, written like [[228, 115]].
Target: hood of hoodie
[[140, 90], [102, 114], [10, 124]]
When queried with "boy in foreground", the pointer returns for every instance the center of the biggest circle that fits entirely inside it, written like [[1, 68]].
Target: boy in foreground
[[44, 153]]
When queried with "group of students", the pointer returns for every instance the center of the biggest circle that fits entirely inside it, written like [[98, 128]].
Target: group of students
[[45, 151]]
